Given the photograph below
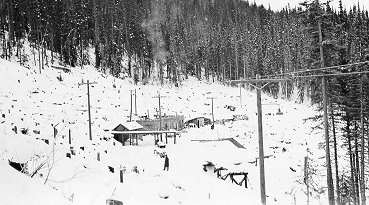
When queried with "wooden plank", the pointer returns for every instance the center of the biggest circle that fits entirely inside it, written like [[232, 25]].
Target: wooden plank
[[257, 81], [145, 132]]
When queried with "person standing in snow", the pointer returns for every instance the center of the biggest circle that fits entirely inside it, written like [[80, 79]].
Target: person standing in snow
[[166, 163]]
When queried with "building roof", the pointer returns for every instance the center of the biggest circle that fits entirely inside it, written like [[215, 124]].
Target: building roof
[[129, 126]]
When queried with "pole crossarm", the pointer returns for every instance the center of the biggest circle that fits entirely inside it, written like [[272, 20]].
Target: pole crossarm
[[159, 97], [257, 81], [90, 83], [272, 80]]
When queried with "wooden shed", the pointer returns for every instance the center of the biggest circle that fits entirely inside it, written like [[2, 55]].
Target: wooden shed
[[126, 126], [168, 122], [199, 121]]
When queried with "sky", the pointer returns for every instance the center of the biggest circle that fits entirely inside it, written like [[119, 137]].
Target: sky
[[279, 4]]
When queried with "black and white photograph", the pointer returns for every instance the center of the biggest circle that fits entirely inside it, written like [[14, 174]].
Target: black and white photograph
[[184, 102]]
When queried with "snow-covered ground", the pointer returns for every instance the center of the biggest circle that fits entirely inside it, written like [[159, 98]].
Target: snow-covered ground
[[38, 102]]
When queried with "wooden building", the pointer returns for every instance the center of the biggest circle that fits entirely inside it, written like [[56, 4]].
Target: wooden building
[[126, 126], [175, 122], [198, 121]]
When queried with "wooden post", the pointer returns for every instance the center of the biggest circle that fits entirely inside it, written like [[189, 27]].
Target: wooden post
[[175, 135], [259, 87], [327, 152], [161, 137], [89, 111], [70, 137], [246, 179], [241, 95], [212, 108], [98, 156], [135, 103], [306, 179], [328, 160], [130, 112], [89, 106], [166, 138], [160, 125], [121, 176], [55, 131], [159, 96], [261, 145]]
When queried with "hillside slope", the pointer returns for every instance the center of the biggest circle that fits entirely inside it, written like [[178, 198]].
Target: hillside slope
[[38, 102]]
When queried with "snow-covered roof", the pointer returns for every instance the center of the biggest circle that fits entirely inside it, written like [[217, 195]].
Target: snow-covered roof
[[130, 125], [191, 117]]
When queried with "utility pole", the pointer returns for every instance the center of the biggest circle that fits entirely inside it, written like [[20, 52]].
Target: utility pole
[[159, 96], [135, 102], [130, 112], [327, 151], [260, 84], [88, 106], [261, 143], [241, 95], [212, 108]]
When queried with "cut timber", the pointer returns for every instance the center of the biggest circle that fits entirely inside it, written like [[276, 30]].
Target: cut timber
[[65, 69]]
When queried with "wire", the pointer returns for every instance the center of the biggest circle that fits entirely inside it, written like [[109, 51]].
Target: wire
[[331, 67], [332, 74], [317, 69]]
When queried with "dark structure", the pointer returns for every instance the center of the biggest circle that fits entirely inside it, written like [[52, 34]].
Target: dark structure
[[113, 202], [127, 126], [210, 167], [199, 121], [231, 175], [22, 167], [175, 122], [158, 135]]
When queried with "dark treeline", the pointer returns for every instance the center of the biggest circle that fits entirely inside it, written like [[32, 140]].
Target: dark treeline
[[216, 40], [223, 39]]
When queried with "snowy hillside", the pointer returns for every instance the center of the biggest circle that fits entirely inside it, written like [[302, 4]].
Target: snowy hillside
[[35, 103]]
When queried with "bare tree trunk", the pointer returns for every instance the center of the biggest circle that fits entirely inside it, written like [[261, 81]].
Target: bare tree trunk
[[244, 67], [230, 70], [353, 194], [97, 34], [42, 51], [161, 72], [38, 49], [236, 59], [218, 70], [81, 47], [52, 46], [362, 179], [357, 172], [336, 158], [11, 26], [224, 75]]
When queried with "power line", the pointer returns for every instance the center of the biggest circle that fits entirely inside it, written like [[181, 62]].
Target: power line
[[259, 86], [330, 67], [331, 74], [312, 70]]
